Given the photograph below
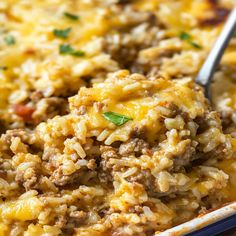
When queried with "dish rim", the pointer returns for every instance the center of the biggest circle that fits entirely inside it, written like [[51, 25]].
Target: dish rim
[[214, 216]]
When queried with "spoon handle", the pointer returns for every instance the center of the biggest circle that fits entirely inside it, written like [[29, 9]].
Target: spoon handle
[[205, 75]]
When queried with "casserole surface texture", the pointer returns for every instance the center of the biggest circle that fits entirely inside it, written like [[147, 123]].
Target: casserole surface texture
[[103, 131]]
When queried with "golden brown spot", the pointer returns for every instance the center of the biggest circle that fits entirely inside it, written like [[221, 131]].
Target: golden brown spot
[[219, 13], [213, 2], [30, 51]]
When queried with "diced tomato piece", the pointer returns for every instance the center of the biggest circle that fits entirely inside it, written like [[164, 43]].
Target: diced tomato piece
[[23, 111]]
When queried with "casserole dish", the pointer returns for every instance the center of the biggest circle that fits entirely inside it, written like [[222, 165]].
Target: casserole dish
[[103, 130], [212, 223]]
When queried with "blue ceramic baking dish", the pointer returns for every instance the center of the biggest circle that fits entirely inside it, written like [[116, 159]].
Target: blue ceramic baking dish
[[210, 224]]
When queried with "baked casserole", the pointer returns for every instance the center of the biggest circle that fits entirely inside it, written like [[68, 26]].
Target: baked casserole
[[103, 130]]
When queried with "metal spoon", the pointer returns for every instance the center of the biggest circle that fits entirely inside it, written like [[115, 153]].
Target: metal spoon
[[205, 74]]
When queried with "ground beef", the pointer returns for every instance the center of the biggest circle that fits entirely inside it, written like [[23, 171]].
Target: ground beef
[[28, 178], [59, 179], [47, 108], [23, 134], [135, 146]]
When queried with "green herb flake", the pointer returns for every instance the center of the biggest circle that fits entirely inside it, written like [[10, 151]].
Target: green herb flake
[[62, 33], [9, 40], [71, 16], [196, 45], [66, 49], [116, 118], [188, 38], [185, 36], [234, 34], [78, 53]]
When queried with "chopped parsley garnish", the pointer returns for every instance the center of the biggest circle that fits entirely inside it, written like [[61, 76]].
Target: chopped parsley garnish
[[3, 68], [188, 38], [71, 16], [116, 118], [78, 53], [185, 36], [66, 49], [196, 45], [9, 40], [62, 33]]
